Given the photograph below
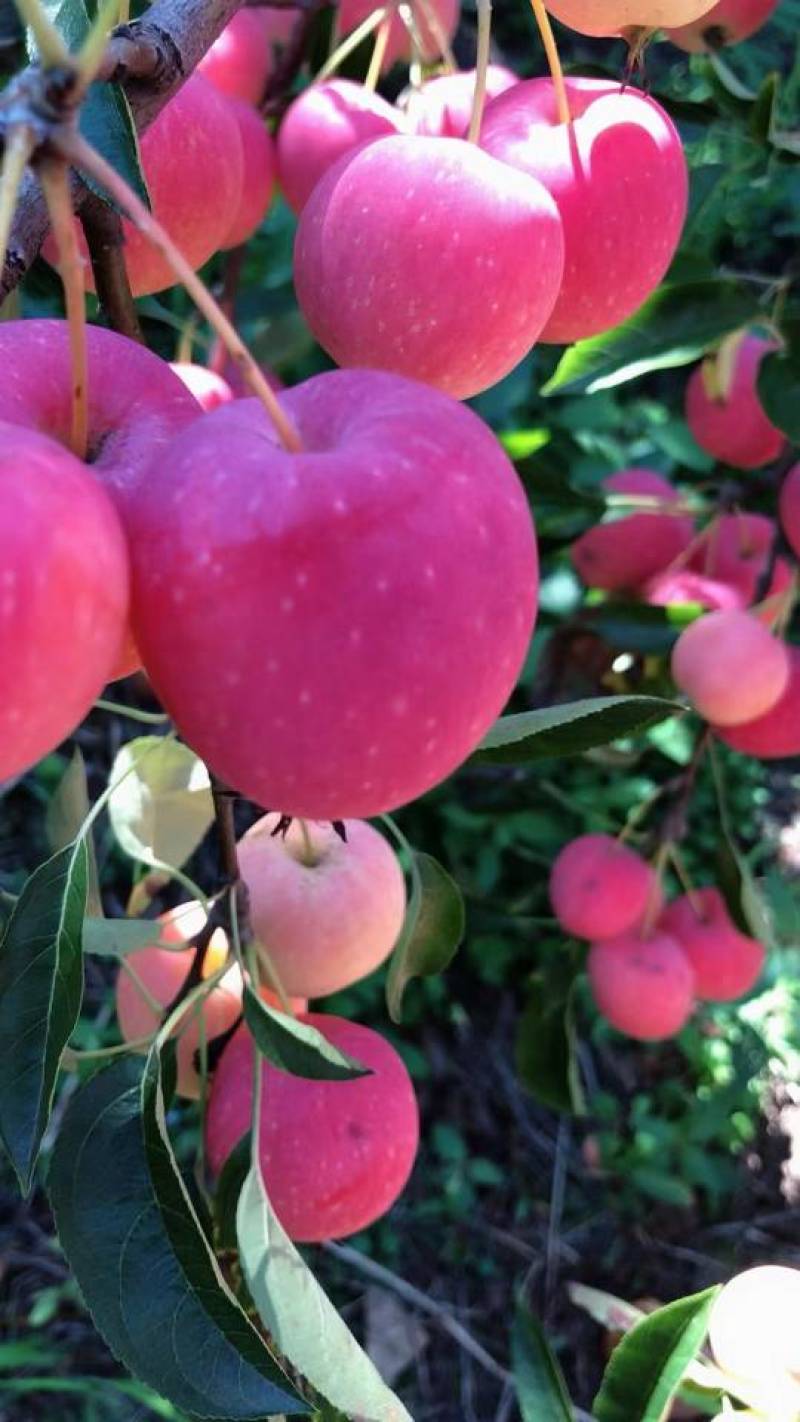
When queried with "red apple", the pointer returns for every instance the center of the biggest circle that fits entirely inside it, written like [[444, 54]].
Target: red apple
[[730, 666], [611, 17], [209, 389], [736, 551], [239, 60], [427, 257], [599, 887], [776, 734], [685, 585], [346, 597], [726, 963], [627, 551], [723, 410], [259, 168], [790, 508], [618, 175], [326, 121], [442, 107], [327, 912], [63, 594], [353, 12], [335, 1155], [727, 22], [643, 986]]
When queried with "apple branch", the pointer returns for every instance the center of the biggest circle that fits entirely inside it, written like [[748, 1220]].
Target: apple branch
[[102, 228]]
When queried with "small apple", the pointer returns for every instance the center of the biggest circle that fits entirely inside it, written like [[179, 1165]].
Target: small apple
[[209, 389], [643, 986], [775, 734], [239, 60], [627, 551], [326, 121], [259, 167], [600, 888], [400, 46], [730, 666], [723, 410], [613, 17], [442, 107], [726, 963], [727, 22]]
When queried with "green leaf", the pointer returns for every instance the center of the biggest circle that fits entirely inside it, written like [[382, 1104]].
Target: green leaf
[[778, 384], [678, 324], [541, 1390], [116, 937], [571, 728], [162, 806], [648, 1366], [637, 627], [142, 1261], [301, 1318], [65, 818], [546, 1042], [432, 931], [227, 1190], [744, 900], [41, 986], [297, 1047]]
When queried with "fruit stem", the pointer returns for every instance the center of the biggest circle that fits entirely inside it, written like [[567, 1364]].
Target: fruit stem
[[51, 48], [655, 897], [481, 67], [679, 865], [75, 148], [553, 60], [124, 12], [431, 18], [102, 228], [308, 857], [378, 52], [351, 42], [53, 174], [19, 147]]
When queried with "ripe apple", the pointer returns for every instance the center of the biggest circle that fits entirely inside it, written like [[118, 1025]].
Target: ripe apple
[[239, 60], [259, 166], [737, 551], [209, 389], [727, 22], [618, 175], [753, 1333], [442, 107], [427, 257], [683, 585], [326, 121], [643, 986], [335, 1155], [599, 888], [353, 12], [723, 410], [726, 963], [63, 594], [612, 17], [629, 550], [776, 734], [790, 508], [346, 597], [327, 912], [730, 666]]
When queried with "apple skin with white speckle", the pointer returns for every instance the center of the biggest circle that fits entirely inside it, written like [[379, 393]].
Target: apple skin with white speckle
[[335, 630]]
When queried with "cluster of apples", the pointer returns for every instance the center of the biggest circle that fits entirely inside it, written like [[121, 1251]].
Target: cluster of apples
[[325, 913], [648, 963]]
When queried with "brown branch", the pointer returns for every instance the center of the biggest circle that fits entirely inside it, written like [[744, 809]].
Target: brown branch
[[102, 228]]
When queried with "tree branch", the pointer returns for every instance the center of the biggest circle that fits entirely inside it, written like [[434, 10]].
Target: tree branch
[[102, 228]]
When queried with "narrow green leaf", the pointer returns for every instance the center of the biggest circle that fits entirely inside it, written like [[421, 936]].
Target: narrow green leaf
[[41, 986], [648, 1366], [141, 1258], [778, 384], [162, 806], [571, 728], [743, 898], [546, 1053], [300, 1317], [541, 1390], [432, 932], [296, 1047], [116, 937], [65, 818], [678, 324]]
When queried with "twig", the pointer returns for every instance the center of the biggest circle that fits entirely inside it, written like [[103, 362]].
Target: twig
[[102, 228], [279, 85]]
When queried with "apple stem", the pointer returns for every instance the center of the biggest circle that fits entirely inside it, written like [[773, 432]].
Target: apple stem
[[53, 174], [309, 857], [655, 897], [102, 228], [75, 148], [18, 149], [378, 52], [51, 48], [124, 13], [481, 68], [553, 60], [679, 865], [351, 42]]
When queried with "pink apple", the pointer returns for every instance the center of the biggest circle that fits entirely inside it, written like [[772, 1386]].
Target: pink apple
[[790, 508], [347, 597], [442, 107], [327, 912], [627, 551], [685, 585], [259, 166], [63, 594], [277, 24], [729, 423], [736, 551], [238, 62], [776, 734], [727, 22], [427, 257], [209, 389], [599, 887], [730, 666], [335, 1154], [618, 176], [353, 12], [326, 121], [611, 17], [643, 986], [726, 963]]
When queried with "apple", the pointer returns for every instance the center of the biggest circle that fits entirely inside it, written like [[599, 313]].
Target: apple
[[726, 963], [723, 410], [427, 257], [352, 13], [209, 389], [683, 585], [442, 107], [63, 594], [727, 22], [618, 175], [753, 1333], [737, 550], [600, 888], [730, 666], [613, 17], [775, 734], [790, 508], [327, 912], [629, 550], [346, 597], [335, 1155], [239, 60], [326, 121], [259, 167], [643, 986]]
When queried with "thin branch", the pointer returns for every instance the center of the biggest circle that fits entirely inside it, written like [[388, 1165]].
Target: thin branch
[[102, 228], [279, 85]]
